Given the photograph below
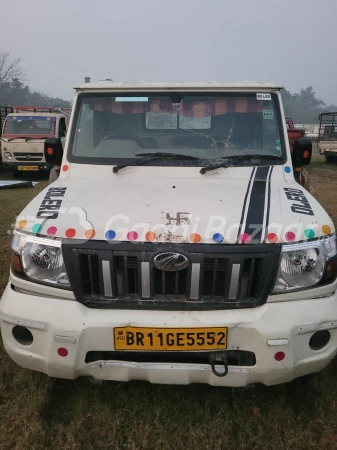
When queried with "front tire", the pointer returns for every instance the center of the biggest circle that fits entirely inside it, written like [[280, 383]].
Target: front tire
[[330, 159]]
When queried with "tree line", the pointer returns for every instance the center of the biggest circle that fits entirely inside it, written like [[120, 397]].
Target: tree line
[[14, 89], [302, 107]]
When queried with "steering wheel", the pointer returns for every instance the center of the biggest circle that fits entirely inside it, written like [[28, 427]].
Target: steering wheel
[[126, 136]]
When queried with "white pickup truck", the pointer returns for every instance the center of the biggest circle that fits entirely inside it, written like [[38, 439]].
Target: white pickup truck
[[176, 246]]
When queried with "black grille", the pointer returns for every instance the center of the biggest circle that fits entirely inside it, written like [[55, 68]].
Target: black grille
[[215, 270], [126, 276], [123, 275], [170, 283], [28, 157], [90, 271]]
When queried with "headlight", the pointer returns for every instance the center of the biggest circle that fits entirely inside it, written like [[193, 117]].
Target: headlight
[[8, 156], [304, 265], [39, 259]]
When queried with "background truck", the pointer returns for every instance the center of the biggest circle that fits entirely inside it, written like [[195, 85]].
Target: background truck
[[24, 132], [327, 137], [293, 133]]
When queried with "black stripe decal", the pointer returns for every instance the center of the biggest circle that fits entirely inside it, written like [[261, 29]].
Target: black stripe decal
[[268, 204], [245, 203], [254, 221]]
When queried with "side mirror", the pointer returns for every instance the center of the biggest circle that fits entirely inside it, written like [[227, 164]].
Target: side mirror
[[302, 151], [53, 151]]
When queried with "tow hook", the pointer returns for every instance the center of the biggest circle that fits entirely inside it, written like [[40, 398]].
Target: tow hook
[[219, 358]]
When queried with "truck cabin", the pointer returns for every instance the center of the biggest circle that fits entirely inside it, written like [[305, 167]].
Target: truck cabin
[[200, 127], [330, 132]]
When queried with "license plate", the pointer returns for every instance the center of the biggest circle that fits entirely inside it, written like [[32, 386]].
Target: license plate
[[28, 168], [170, 339]]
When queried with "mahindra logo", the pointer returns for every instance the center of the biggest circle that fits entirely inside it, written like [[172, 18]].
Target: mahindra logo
[[170, 261]]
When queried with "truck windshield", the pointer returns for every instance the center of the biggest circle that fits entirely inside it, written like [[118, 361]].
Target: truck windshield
[[110, 129], [29, 126]]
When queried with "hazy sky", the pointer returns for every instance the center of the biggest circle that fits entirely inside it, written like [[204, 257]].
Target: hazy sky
[[288, 42]]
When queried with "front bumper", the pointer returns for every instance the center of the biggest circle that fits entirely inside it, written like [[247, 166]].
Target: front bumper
[[43, 166], [57, 323]]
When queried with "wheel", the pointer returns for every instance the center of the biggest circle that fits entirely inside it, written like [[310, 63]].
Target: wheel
[[330, 159]]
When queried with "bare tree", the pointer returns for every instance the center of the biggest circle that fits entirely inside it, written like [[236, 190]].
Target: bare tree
[[10, 69], [14, 90], [10, 72]]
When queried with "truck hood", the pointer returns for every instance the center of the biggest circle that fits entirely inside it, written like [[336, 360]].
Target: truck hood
[[237, 205]]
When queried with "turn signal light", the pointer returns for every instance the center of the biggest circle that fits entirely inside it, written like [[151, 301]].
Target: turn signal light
[[330, 270], [16, 265]]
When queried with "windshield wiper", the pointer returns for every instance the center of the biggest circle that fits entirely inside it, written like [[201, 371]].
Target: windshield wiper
[[20, 137], [147, 157], [231, 160], [40, 137], [168, 155], [27, 138]]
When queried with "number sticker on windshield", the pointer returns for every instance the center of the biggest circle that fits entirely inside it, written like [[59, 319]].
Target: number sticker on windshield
[[263, 96], [268, 114]]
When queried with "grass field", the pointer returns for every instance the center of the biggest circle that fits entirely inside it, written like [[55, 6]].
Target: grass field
[[41, 413]]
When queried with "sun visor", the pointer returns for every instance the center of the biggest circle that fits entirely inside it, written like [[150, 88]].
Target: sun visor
[[190, 108]]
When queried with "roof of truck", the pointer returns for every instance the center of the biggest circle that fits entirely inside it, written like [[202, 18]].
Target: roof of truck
[[177, 85]]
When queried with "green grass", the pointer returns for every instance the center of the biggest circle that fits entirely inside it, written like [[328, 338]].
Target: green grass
[[37, 412]]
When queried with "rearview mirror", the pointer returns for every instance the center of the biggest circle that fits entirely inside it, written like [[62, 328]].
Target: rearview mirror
[[53, 151], [302, 151]]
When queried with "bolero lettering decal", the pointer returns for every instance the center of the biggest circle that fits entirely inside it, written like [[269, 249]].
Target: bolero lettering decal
[[51, 204], [303, 207]]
